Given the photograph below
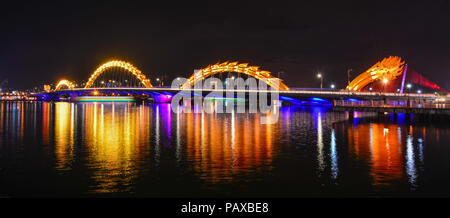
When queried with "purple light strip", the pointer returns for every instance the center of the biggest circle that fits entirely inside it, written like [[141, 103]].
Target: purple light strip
[[403, 79]]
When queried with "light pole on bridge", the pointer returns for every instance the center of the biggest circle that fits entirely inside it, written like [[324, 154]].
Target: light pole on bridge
[[160, 82], [408, 86], [319, 75]]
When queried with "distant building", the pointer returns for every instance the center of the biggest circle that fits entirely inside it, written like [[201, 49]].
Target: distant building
[[47, 88]]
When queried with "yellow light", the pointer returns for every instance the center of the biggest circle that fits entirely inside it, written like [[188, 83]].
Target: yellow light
[[122, 64], [47, 88], [66, 83], [387, 69], [319, 75], [95, 92]]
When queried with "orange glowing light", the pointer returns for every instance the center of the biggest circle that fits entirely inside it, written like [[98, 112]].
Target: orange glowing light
[[387, 69], [121, 64], [379, 145], [64, 83], [242, 68], [47, 88]]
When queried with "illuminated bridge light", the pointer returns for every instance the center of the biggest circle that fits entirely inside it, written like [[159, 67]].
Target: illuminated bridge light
[[64, 83], [387, 69], [224, 99], [242, 68], [103, 98], [121, 64], [352, 99], [318, 99]]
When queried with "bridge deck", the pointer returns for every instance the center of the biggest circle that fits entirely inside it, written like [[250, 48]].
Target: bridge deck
[[292, 92], [341, 100], [415, 107]]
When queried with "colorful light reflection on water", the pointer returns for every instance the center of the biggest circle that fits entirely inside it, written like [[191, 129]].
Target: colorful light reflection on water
[[83, 149]]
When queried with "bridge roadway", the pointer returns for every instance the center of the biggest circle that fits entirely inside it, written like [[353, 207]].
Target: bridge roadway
[[294, 93]]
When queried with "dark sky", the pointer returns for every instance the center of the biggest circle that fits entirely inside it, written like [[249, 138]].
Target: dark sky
[[41, 42]]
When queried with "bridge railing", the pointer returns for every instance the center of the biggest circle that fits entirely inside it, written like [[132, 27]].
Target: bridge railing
[[393, 104]]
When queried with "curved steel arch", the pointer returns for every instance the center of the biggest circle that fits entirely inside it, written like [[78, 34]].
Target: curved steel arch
[[122, 64], [389, 68], [243, 68], [66, 83]]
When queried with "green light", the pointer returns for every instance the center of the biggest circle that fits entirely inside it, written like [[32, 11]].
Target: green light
[[103, 100], [224, 99]]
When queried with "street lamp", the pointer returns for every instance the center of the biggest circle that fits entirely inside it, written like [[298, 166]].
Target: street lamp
[[321, 79], [408, 86], [332, 86], [157, 79]]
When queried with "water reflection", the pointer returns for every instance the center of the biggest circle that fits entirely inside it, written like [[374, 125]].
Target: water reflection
[[13, 119], [410, 165], [119, 136], [116, 136], [223, 145], [64, 134], [320, 157], [333, 156], [116, 147], [112, 135], [389, 150]]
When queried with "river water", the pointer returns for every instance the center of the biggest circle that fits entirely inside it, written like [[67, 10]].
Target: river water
[[138, 149]]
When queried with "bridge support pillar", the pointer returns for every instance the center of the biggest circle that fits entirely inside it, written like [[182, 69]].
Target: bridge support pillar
[[162, 98], [351, 115], [380, 115]]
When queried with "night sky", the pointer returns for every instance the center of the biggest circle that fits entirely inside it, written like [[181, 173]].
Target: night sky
[[41, 42]]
